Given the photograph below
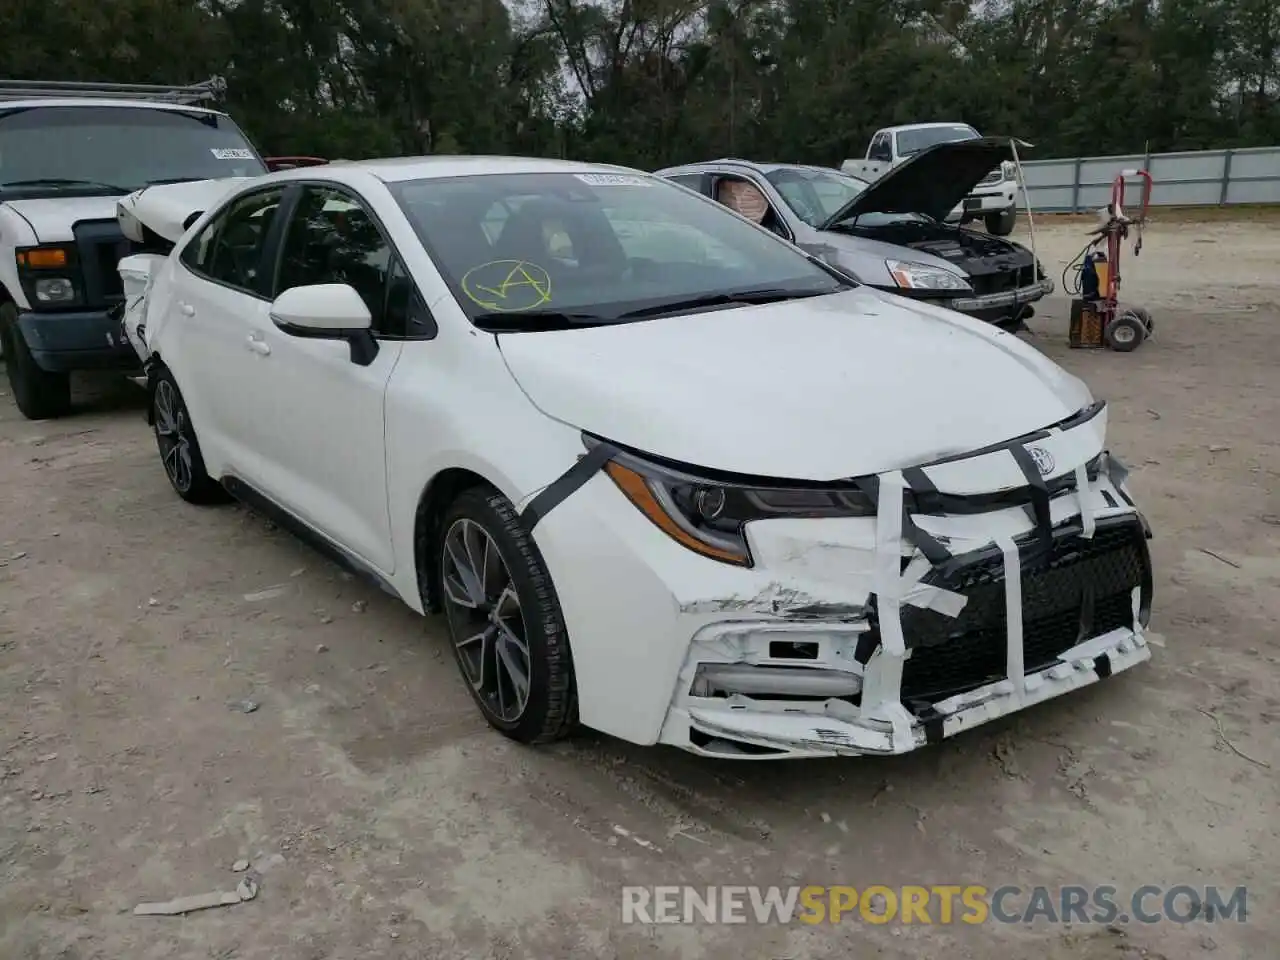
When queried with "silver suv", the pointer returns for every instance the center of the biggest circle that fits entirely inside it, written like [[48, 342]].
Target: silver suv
[[890, 234]]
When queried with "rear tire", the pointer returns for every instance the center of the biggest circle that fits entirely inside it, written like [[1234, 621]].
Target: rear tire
[[178, 446], [505, 623], [39, 394], [1001, 224]]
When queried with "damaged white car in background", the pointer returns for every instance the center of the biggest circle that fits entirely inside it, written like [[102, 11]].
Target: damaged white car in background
[[663, 472], [153, 219]]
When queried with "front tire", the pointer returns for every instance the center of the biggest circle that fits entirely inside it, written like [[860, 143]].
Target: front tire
[[505, 623], [1001, 224], [39, 394], [178, 446]]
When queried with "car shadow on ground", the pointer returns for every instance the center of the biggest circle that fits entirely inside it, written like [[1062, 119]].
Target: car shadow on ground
[[93, 393], [1030, 748]]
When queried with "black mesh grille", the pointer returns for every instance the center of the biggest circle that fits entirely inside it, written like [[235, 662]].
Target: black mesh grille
[[109, 257], [1077, 590], [100, 247], [1002, 281]]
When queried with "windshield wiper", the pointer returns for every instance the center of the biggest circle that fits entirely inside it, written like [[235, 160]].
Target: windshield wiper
[[63, 182], [758, 296], [530, 320]]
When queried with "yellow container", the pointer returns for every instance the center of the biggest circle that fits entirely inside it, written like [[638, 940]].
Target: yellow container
[[1103, 270]]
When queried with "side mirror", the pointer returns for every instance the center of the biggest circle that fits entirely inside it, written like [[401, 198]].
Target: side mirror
[[327, 311]]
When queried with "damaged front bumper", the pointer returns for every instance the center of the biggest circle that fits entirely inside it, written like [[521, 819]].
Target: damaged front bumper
[[815, 689], [984, 583], [980, 604]]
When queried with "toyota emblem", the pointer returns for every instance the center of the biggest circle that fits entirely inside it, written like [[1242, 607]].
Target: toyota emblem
[[1043, 459]]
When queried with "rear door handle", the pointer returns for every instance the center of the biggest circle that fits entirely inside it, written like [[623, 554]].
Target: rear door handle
[[257, 346], [187, 309]]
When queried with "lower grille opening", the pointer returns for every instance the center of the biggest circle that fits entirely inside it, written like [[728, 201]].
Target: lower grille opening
[[793, 650], [1077, 590], [800, 684], [730, 748]]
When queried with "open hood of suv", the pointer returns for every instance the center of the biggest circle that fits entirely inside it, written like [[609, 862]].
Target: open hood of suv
[[933, 181]]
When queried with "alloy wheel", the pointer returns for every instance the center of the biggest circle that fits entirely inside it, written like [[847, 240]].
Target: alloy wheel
[[486, 620], [173, 436]]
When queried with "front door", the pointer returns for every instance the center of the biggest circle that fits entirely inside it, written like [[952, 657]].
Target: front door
[[327, 455]]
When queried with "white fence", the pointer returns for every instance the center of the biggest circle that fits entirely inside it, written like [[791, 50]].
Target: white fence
[[1199, 178]]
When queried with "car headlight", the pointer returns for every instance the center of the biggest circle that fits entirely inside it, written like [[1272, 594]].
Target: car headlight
[[1009, 169], [921, 276], [54, 290], [708, 516]]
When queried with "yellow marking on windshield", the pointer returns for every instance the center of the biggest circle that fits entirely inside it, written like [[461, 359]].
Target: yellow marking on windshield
[[507, 286]]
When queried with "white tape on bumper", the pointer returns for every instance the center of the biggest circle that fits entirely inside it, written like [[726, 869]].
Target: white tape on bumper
[[1015, 665], [888, 563], [1084, 497]]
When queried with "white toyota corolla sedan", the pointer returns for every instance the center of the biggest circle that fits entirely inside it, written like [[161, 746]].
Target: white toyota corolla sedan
[[661, 471]]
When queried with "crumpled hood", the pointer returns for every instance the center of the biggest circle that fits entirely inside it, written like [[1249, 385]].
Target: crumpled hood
[[820, 389], [53, 217], [165, 208]]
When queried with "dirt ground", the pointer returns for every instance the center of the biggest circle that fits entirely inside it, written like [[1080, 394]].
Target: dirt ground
[[383, 819]]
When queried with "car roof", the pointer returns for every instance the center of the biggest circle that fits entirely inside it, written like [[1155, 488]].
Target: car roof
[[927, 126], [762, 167], [398, 169], [8, 105]]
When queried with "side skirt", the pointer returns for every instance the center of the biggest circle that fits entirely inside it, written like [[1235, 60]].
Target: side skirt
[[256, 500]]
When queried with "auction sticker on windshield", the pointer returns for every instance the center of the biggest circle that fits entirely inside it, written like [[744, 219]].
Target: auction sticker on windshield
[[507, 286], [612, 180], [232, 154]]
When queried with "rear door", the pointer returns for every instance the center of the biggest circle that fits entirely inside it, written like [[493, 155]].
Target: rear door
[[220, 296]]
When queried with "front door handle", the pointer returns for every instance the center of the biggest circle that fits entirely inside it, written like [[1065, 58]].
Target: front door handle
[[187, 309], [257, 346]]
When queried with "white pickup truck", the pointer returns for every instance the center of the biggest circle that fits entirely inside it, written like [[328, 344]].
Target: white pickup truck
[[994, 200]]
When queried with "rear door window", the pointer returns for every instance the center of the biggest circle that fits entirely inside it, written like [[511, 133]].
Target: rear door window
[[231, 247]]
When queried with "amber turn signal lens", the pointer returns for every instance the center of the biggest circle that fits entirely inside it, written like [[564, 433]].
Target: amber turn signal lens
[[43, 258]]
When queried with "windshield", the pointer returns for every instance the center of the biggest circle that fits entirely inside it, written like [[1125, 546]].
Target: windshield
[[815, 195], [540, 251], [913, 141], [102, 150]]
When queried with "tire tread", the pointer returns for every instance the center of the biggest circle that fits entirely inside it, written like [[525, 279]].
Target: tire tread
[[204, 490], [560, 714]]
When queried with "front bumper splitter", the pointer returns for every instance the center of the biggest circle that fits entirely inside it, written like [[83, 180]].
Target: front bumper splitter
[[840, 733]]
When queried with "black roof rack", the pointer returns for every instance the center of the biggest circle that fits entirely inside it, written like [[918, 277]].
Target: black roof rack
[[211, 89]]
